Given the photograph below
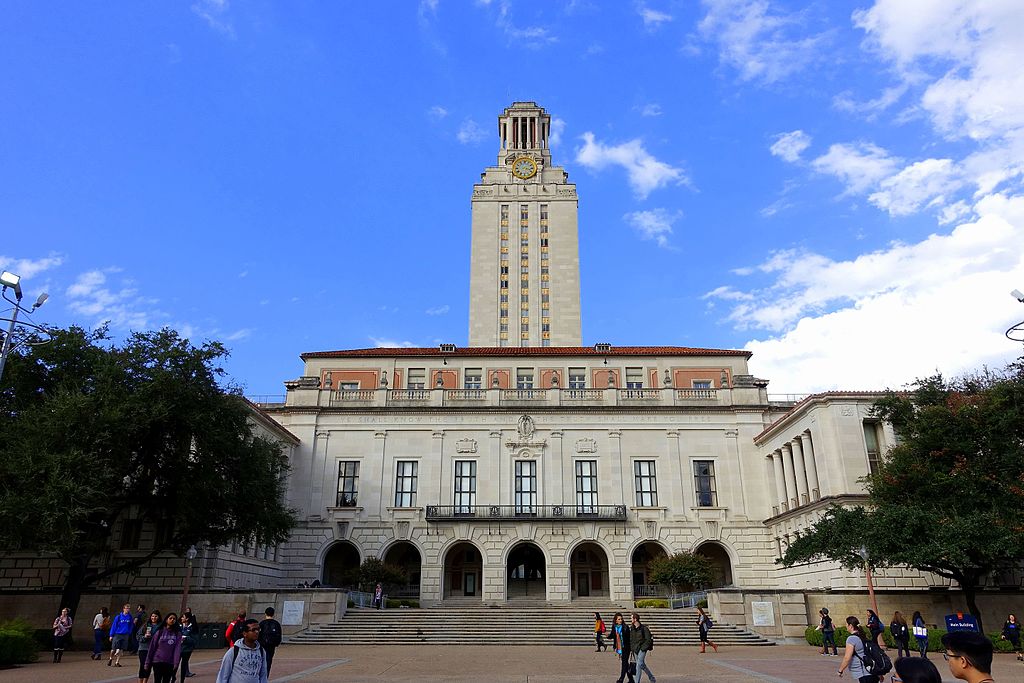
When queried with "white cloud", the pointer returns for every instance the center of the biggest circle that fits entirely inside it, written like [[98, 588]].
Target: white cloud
[[655, 224], [645, 172], [437, 112], [533, 37], [871, 108], [653, 19], [858, 165], [470, 132], [383, 343], [214, 13], [789, 146], [28, 268], [438, 310], [237, 335], [926, 182], [761, 44], [954, 212], [884, 318], [651, 110], [122, 307], [557, 128]]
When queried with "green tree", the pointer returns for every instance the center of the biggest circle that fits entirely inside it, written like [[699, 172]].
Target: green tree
[[92, 432], [681, 570], [374, 570], [948, 498]]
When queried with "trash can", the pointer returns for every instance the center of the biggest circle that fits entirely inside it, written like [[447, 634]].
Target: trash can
[[211, 637]]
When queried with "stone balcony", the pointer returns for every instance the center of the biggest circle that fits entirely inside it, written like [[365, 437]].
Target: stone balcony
[[521, 513]]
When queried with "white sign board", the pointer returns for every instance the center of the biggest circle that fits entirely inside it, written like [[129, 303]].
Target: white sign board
[[291, 615], [763, 613]]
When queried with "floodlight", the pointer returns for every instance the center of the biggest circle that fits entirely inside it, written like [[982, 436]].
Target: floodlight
[[13, 281]]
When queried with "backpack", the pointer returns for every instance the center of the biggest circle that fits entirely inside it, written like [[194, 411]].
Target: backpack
[[650, 636], [231, 635], [826, 625], [234, 656], [708, 623], [270, 633], [875, 661]]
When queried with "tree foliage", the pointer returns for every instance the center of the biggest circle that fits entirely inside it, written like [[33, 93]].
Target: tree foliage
[[92, 432], [374, 570], [681, 570], [948, 498]]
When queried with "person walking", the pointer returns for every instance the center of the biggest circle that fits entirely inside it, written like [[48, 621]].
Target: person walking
[[620, 642], [121, 630], [1011, 632], [61, 628], [188, 644], [140, 621], [641, 642], [828, 633], [378, 597], [144, 636], [853, 658], [100, 624], [270, 635], [875, 629], [916, 671], [245, 661], [704, 625], [599, 632], [234, 629], [920, 631], [165, 650], [900, 633]]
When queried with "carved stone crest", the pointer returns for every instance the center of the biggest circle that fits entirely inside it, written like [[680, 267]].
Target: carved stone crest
[[465, 446], [525, 437], [586, 446], [526, 427]]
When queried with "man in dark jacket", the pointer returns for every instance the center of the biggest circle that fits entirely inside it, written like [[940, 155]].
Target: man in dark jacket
[[641, 642], [270, 635]]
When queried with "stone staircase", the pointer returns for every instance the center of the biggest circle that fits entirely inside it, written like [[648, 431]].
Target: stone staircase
[[508, 625]]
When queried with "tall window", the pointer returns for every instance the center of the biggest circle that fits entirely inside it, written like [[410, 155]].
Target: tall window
[[586, 487], [634, 378], [646, 483], [701, 384], [704, 481], [348, 483], [526, 487], [405, 483], [871, 441], [417, 378], [465, 486], [524, 378], [474, 378], [577, 378]]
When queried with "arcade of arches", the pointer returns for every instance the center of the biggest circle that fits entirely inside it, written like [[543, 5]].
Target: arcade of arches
[[341, 565]]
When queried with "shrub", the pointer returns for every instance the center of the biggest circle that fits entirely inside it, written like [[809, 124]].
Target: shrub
[[351, 602], [652, 602], [703, 604], [17, 643], [814, 638]]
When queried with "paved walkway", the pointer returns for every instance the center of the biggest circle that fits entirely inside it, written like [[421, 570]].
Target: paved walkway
[[487, 664]]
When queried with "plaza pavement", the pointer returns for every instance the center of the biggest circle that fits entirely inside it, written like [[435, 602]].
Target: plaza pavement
[[489, 664]]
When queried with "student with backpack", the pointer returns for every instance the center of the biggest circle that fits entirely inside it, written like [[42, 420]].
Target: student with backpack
[[920, 633], [641, 641], [246, 660], [828, 632], [901, 634], [270, 635], [234, 629], [704, 625], [865, 660], [599, 630]]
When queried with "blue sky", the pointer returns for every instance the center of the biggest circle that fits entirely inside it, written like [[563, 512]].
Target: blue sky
[[836, 186]]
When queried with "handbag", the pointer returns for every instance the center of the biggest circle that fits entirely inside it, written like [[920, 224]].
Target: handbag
[[920, 632], [631, 668]]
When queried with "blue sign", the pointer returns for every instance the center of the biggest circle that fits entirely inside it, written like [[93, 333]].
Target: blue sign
[[961, 622]]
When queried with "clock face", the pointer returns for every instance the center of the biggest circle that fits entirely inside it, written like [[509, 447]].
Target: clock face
[[524, 168]]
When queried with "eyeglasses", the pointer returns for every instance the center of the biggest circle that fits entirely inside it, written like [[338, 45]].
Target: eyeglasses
[[895, 679], [254, 629]]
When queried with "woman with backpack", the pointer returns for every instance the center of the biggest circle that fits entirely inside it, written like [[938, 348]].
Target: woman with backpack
[[704, 625], [900, 633], [599, 632], [875, 628], [1011, 632], [920, 631], [828, 632], [853, 658]]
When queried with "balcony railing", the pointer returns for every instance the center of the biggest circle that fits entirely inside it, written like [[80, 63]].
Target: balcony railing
[[462, 513], [665, 397]]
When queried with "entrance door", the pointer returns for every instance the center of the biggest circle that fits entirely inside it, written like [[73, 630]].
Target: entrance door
[[583, 584], [470, 587]]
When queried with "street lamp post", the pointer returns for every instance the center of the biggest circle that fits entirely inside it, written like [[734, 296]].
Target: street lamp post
[[13, 282], [863, 552], [190, 555]]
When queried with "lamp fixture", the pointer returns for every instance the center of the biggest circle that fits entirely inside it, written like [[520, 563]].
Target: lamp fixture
[[8, 279]]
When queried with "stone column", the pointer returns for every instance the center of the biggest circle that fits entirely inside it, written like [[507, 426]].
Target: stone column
[[812, 467], [801, 472], [780, 482], [678, 473], [787, 465], [498, 464]]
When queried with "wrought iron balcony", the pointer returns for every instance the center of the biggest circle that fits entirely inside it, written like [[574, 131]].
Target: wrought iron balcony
[[490, 513]]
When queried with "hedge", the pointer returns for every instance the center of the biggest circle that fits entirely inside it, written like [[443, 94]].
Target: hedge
[[391, 604], [652, 602], [17, 643], [813, 637]]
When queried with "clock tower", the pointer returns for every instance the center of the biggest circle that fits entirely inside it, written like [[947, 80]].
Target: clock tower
[[524, 273]]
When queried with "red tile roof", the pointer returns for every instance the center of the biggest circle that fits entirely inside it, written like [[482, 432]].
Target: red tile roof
[[525, 351]]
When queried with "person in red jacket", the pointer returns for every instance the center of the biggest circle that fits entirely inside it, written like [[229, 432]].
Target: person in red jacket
[[235, 628]]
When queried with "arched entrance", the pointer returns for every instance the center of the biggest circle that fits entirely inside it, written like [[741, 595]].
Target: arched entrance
[[341, 565], [463, 572], [643, 555], [406, 557], [525, 574], [721, 565], [588, 571]]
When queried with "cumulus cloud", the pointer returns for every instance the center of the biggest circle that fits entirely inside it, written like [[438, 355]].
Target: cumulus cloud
[[557, 128], [883, 318], [437, 112], [644, 171], [470, 133], [650, 110], [655, 224], [761, 44], [28, 268], [926, 182], [653, 19], [121, 306], [533, 37], [789, 146], [858, 165]]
